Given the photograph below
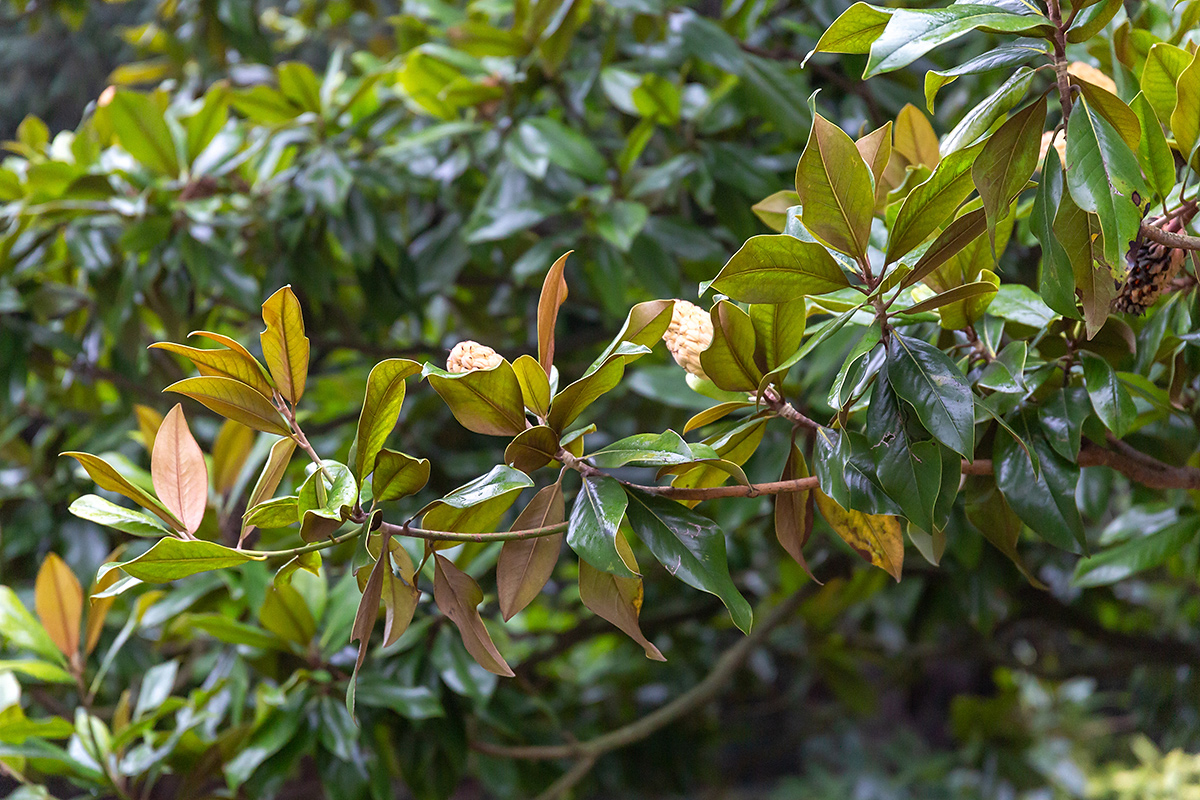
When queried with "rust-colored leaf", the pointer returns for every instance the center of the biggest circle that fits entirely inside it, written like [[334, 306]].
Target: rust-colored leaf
[[107, 477], [230, 451], [368, 611], [59, 601], [224, 363], [526, 564], [554, 292], [99, 606], [458, 596], [876, 150], [794, 511], [233, 400], [178, 470], [148, 420], [877, 538], [285, 347], [618, 600]]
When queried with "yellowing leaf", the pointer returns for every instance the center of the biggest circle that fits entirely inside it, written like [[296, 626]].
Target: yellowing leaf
[[148, 420], [233, 400], [381, 407], [794, 511], [179, 472], [230, 451], [225, 363], [877, 538], [285, 347], [554, 292], [269, 478], [59, 601], [617, 600], [99, 607], [915, 138], [458, 597]]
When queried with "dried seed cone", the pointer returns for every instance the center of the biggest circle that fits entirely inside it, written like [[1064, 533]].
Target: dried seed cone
[[689, 335], [1088, 73], [468, 355], [1152, 268]]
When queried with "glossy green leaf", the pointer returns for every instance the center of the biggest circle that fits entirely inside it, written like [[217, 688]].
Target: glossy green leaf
[[535, 386], [975, 124], [594, 524], [778, 330], [107, 478], [644, 450], [380, 410], [397, 475], [172, 559], [1003, 56], [909, 472], [1154, 154], [1164, 64], [931, 203], [1185, 119], [477, 506], [1092, 20], [1110, 399], [1044, 499], [278, 512], [729, 360], [487, 401], [1104, 177], [1056, 280], [926, 379], [1007, 160], [141, 129], [691, 547], [779, 268], [911, 33], [22, 630], [853, 31], [572, 401], [103, 512], [285, 614], [836, 194]]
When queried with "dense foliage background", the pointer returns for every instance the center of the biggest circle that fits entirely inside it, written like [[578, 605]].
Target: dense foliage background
[[412, 170]]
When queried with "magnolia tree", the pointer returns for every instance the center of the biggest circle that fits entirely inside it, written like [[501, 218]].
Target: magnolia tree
[[960, 390]]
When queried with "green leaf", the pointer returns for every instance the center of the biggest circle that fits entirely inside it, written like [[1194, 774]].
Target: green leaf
[[102, 512], [1056, 280], [532, 449], [1104, 177], [285, 347], [1112, 402], [381, 408], [141, 129], [22, 631], [1113, 109], [278, 512], [594, 524], [956, 295], [107, 478], [644, 325], [1044, 499], [1061, 416], [1154, 154], [271, 475], [569, 403], [1136, 555], [233, 400], [1164, 64], [172, 559], [1007, 161], [911, 33], [1092, 20], [285, 614], [778, 330], [37, 670], [690, 547], [773, 210], [535, 386], [644, 450], [958, 234], [1081, 238], [729, 359], [836, 194], [1185, 119], [779, 268], [567, 148], [908, 472], [926, 379], [397, 475], [979, 120], [477, 506], [931, 203], [487, 401], [1003, 56], [853, 31]]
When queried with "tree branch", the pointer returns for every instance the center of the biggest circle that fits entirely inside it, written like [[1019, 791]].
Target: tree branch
[[725, 668], [1179, 241]]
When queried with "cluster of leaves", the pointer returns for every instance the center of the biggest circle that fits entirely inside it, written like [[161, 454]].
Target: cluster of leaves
[[952, 399]]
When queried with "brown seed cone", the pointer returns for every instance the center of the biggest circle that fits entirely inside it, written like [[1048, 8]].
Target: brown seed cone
[[1152, 268]]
